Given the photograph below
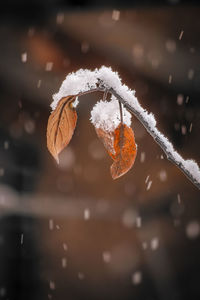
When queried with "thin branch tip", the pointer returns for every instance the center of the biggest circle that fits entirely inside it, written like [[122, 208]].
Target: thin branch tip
[[104, 80], [139, 116]]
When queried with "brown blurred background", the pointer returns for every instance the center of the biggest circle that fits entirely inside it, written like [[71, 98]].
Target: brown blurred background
[[70, 231]]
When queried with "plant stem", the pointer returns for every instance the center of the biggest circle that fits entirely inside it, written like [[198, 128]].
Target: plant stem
[[155, 137], [147, 126]]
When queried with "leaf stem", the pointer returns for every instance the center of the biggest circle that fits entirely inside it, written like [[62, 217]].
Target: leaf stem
[[121, 128], [121, 113], [105, 94]]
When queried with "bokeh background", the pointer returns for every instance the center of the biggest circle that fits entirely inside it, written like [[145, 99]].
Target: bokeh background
[[70, 231]]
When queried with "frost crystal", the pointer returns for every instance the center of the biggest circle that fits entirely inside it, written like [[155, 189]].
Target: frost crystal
[[137, 277], [86, 214], [24, 57], [193, 230], [106, 256]]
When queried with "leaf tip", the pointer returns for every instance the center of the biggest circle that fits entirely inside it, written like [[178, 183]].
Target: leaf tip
[[115, 171], [57, 160]]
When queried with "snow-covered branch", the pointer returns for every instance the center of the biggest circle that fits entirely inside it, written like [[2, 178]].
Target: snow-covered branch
[[104, 79]]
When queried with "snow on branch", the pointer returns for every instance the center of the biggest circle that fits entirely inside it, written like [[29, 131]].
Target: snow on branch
[[104, 79]]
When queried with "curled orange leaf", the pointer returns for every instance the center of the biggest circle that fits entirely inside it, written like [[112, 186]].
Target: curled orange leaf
[[122, 148], [61, 125]]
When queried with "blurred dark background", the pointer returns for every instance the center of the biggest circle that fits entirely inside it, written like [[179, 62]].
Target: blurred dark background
[[70, 231]]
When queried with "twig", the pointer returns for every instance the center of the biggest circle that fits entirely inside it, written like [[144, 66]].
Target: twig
[[140, 117], [121, 128], [156, 138], [99, 89]]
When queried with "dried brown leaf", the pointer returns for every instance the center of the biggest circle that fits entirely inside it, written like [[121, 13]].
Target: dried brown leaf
[[121, 146], [61, 125]]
